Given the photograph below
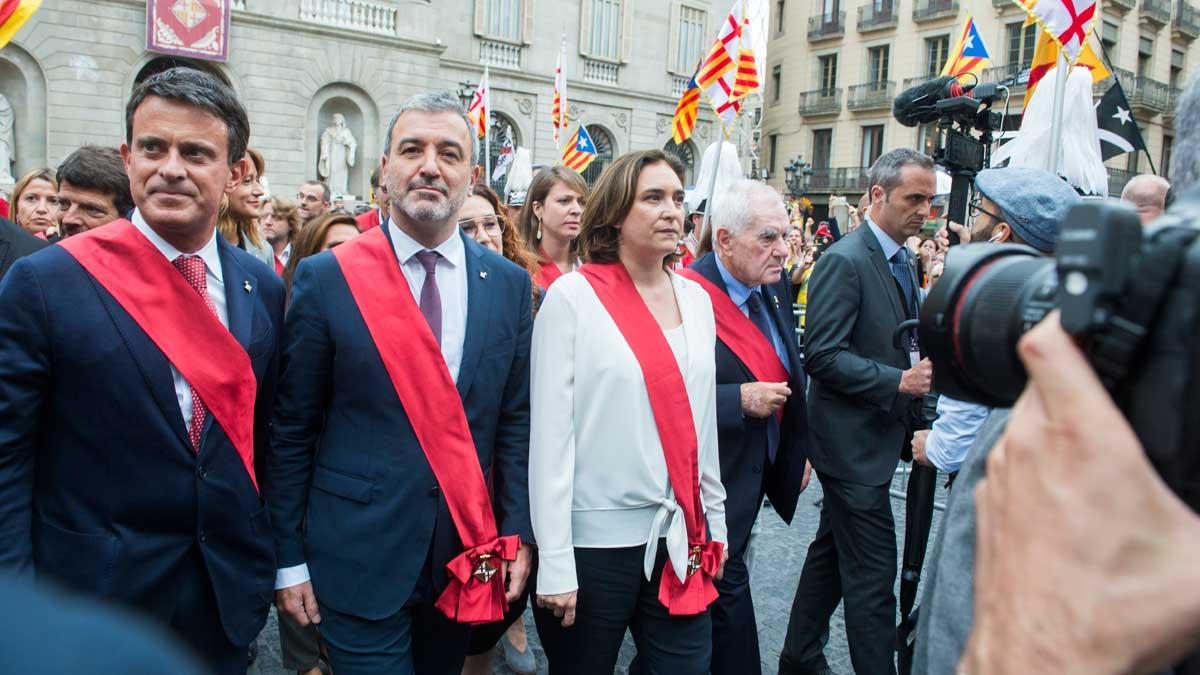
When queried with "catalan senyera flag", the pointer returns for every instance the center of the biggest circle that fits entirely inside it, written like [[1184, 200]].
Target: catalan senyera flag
[[686, 112], [1045, 57], [558, 109], [579, 151], [1069, 22], [480, 109], [13, 15], [725, 74], [969, 55]]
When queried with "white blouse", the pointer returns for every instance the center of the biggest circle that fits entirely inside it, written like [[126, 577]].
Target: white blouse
[[593, 442]]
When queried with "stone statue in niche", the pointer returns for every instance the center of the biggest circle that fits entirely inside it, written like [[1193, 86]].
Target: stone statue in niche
[[8, 142], [338, 151]]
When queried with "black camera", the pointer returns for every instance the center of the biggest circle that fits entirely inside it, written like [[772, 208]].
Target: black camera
[[1130, 297]]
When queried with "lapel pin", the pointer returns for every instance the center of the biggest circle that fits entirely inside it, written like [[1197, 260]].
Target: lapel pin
[[482, 274], [775, 298], [247, 286]]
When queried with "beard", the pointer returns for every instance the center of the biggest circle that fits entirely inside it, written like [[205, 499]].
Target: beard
[[421, 210]]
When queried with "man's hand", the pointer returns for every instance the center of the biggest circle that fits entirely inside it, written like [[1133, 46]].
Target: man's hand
[[1080, 544], [562, 605], [724, 559], [918, 447], [762, 399], [807, 475], [943, 239], [517, 572], [299, 602], [915, 381]]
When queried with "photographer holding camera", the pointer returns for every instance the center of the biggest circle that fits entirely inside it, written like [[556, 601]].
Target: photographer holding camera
[[1086, 542]]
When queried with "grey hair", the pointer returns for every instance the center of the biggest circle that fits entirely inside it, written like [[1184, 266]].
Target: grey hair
[[431, 102], [1185, 162], [199, 89], [733, 210], [886, 171]]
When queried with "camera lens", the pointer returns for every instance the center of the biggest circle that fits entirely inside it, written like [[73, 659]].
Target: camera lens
[[989, 295]]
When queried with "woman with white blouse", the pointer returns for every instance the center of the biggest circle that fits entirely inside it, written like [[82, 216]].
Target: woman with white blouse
[[625, 485]]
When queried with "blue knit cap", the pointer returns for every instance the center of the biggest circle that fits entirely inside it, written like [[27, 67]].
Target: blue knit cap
[[1032, 201]]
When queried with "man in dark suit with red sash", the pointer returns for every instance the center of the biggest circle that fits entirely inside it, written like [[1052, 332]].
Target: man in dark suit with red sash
[[136, 375], [761, 425], [404, 400]]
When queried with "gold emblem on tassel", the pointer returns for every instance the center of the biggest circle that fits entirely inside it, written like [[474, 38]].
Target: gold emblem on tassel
[[485, 570], [694, 560]]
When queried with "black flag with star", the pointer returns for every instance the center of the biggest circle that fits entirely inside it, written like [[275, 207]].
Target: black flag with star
[[1119, 132]]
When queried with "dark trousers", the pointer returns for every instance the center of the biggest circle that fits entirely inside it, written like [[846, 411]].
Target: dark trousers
[[852, 558], [614, 595], [186, 603], [299, 646], [734, 628], [418, 639]]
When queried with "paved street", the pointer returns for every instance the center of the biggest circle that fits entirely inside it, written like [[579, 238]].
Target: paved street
[[780, 552]]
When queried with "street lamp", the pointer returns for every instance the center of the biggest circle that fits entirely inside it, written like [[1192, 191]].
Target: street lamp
[[797, 175]]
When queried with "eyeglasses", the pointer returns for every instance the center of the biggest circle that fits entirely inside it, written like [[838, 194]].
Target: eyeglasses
[[975, 208], [491, 224]]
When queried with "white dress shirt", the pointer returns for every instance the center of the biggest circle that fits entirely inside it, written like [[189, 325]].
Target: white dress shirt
[[595, 446], [451, 274], [216, 292]]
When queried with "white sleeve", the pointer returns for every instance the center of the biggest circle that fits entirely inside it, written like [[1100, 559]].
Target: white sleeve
[[291, 576], [552, 441], [712, 490]]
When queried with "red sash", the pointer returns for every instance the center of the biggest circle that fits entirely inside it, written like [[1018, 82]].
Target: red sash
[[174, 316], [676, 430], [740, 334], [414, 362], [548, 271]]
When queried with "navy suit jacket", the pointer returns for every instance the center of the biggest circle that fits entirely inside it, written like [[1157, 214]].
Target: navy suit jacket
[[351, 492], [15, 243], [742, 440], [100, 488]]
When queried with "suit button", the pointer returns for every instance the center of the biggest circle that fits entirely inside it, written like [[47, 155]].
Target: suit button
[[756, 469], [202, 473], [203, 537], [433, 491]]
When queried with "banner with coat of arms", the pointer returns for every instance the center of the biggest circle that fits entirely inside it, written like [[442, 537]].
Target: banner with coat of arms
[[196, 29]]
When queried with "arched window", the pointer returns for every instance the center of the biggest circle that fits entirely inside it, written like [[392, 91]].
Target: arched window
[[604, 153], [502, 126], [686, 154]]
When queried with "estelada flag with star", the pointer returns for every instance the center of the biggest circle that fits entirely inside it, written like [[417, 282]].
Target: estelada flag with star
[[13, 15], [970, 55], [579, 151], [1069, 22], [1118, 130]]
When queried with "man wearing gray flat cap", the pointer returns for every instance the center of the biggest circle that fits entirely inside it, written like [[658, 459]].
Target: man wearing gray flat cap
[[1015, 205]]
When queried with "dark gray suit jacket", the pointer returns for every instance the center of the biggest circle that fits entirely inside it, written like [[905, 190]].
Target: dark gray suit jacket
[[15, 243], [856, 412]]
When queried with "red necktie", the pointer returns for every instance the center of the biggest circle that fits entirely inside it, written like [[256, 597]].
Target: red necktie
[[192, 269]]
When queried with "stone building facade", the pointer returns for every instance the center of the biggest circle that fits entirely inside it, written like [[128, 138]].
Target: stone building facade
[[295, 63], [834, 67]]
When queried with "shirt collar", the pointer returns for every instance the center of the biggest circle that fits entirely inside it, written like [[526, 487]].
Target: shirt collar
[[738, 292], [406, 247], [286, 252], [209, 253], [888, 244]]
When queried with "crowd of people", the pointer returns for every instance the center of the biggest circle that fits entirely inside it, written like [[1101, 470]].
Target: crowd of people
[[405, 426]]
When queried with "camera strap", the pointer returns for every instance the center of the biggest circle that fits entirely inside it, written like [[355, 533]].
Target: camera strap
[[1116, 347]]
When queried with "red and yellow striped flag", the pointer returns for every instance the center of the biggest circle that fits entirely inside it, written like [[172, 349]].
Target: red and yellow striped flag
[[13, 15], [480, 110], [558, 109], [729, 72], [579, 151], [1045, 57], [746, 78], [685, 113]]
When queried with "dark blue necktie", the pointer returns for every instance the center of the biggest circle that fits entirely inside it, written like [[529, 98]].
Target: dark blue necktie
[[758, 314], [903, 274]]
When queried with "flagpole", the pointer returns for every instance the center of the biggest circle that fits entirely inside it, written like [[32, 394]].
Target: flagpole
[[1056, 119], [487, 128], [705, 226]]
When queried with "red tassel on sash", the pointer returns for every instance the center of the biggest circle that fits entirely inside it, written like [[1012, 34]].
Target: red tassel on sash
[[739, 333], [414, 362], [676, 430], [174, 316]]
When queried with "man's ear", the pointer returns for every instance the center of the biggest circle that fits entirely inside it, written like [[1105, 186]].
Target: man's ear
[[1002, 233], [237, 171], [475, 174]]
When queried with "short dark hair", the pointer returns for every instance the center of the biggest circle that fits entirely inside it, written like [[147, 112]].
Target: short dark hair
[[199, 89], [886, 171], [375, 178], [324, 189], [95, 167]]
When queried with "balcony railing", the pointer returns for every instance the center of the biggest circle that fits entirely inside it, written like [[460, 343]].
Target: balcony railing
[[840, 179], [1168, 116], [910, 82], [1005, 4], [601, 71], [827, 26], [501, 54], [1186, 24], [1012, 74], [821, 102], [1117, 178], [932, 10], [877, 15], [871, 96], [1121, 6], [1143, 93], [679, 85], [1154, 13], [361, 15]]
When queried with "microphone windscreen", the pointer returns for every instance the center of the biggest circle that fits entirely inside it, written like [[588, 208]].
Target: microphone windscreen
[[915, 105]]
